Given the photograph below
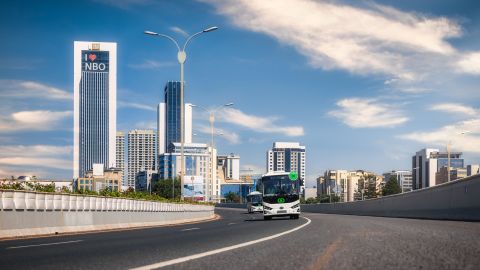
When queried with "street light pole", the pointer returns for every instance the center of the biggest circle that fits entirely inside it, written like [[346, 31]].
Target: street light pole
[[182, 57], [211, 118]]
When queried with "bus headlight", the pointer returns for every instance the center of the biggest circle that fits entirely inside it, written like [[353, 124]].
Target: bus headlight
[[296, 205], [267, 208]]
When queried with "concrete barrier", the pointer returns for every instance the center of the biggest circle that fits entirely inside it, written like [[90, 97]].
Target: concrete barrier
[[26, 213], [456, 200]]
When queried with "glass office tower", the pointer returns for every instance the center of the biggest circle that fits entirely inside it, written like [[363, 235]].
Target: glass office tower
[[95, 93]]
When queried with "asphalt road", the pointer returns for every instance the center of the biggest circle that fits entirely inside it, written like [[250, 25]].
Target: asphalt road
[[328, 242]]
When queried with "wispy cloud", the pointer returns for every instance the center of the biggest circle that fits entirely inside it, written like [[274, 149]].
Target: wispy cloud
[[41, 120], [253, 167], [31, 89], [367, 113], [27, 159], [179, 30], [334, 35], [55, 163], [227, 135], [151, 64], [125, 104], [455, 108], [468, 142], [258, 123]]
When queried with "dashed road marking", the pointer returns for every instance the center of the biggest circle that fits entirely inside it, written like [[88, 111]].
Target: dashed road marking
[[220, 250]]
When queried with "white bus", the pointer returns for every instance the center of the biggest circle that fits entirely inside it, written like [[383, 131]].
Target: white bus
[[254, 202], [281, 195]]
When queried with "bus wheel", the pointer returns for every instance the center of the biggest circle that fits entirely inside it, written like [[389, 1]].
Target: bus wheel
[[267, 218]]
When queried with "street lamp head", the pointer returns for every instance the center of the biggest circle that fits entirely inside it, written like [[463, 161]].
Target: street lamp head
[[210, 29], [193, 105], [228, 104], [150, 33]]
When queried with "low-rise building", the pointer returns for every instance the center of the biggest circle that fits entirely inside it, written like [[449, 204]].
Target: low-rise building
[[455, 173], [403, 177], [143, 180], [473, 169], [100, 178]]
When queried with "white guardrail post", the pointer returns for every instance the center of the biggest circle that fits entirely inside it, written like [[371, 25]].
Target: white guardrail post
[[20, 200]]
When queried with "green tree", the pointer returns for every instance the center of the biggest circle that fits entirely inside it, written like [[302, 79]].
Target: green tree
[[232, 197], [368, 184], [311, 200], [391, 187], [163, 188]]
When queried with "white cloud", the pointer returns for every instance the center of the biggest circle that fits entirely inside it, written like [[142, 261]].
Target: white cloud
[[56, 163], [367, 113], [179, 30], [470, 63], [259, 124], [125, 104], [33, 120], [468, 142], [27, 159], [455, 108], [31, 89], [152, 64], [363, 40], [34, 150]]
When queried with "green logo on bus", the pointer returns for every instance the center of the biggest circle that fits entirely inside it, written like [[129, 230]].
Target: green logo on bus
[[281, 200], [293, 175]]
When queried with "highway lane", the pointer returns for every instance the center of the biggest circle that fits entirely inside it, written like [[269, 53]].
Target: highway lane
[[132, 248], [328, 242]]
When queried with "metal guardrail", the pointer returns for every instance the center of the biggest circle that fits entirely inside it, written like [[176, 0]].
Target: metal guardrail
[[19, 200]]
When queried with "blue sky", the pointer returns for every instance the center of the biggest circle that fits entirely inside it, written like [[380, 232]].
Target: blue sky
[[362, 84]]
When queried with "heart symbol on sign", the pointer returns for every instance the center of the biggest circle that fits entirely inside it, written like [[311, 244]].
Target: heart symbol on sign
[[92, 57]]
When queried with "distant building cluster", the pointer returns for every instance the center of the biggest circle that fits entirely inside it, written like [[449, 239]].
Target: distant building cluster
[[107, 158]]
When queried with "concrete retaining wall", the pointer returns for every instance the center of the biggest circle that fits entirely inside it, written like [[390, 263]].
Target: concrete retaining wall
[[457, 200], [24, 213], [232, 205]]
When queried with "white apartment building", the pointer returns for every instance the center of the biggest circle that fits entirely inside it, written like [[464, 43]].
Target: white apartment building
[[120, 154], [287, 157], [140, 154]]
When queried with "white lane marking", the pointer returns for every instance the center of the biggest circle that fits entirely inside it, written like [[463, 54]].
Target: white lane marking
[[190, 229], [220, 250], [46, 244], [231, 223]]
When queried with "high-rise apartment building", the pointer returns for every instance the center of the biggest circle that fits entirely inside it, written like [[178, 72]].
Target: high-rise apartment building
[[230, 166], [348, 185], [140, 154], [404, 179], [168, 118], [120, 155], [286, 157], [94, 105], [427, 162]]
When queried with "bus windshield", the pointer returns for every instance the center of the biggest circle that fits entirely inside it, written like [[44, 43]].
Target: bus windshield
[[279, 185], [255, 199]]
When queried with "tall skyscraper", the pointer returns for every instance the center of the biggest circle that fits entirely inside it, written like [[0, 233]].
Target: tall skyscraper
[[286, 157], [95, 95], [141, 153], [120, 154], [168, 118]]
